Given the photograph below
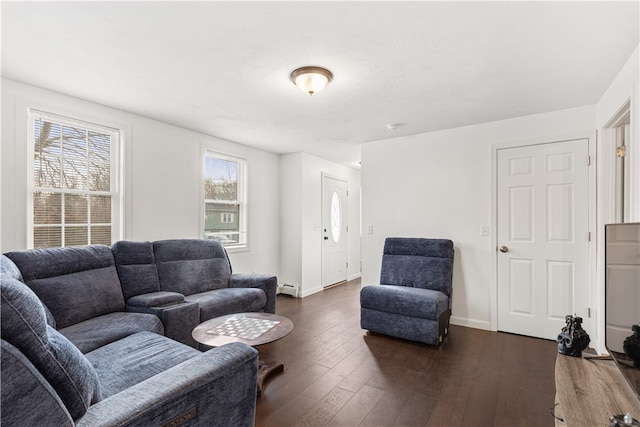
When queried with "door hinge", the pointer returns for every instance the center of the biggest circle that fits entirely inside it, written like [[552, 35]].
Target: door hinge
[[621, 151], [347, 264], [588, 311], [588, 236], [588, 160]]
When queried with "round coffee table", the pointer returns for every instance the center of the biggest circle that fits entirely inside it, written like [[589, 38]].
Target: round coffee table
[[252, 329]]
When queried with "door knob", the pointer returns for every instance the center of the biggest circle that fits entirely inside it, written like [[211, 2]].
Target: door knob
[[504, 249]]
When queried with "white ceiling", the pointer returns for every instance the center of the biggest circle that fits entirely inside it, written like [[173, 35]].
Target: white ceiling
[[222, 68]]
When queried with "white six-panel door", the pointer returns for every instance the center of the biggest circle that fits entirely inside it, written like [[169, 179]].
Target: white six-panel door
[[543, 241]]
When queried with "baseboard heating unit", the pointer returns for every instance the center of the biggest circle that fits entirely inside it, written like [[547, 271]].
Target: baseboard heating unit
[[288, 289]]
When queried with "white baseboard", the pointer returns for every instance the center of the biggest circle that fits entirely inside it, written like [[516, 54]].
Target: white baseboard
[[307, 292], [470, 323]]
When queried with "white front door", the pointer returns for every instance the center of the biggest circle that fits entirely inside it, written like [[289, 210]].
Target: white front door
[[334, 231], [543, 240]]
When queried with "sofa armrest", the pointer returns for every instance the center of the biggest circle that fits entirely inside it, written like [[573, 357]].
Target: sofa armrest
[[216, 388], [155, 299], [269, 284], [179, 317]]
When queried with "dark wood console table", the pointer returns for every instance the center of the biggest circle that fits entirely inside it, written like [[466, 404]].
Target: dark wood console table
[[588, 392]]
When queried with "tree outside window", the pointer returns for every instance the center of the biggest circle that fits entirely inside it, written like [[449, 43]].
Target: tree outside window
[[224, 207], [73, 187]]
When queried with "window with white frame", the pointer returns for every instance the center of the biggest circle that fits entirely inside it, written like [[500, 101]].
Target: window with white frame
[[74, 195], [225, 211]]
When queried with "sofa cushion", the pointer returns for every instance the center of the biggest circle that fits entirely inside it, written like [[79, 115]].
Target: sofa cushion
[[191, 266], [75, 283], [133, 359], [102, 330], [228, 301], [24, 326], [9, 268], [136, 267], [406, 301], [27, 397]]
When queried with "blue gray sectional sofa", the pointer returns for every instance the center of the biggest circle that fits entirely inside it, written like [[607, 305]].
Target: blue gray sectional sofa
[[95, 294], [102, 336], [185, 282]]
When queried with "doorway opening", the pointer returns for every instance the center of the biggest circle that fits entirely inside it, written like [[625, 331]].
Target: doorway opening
[[619, 138]]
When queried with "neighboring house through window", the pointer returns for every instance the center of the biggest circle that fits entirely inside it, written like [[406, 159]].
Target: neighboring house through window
[[226, 217], [224, 199], [74, 195]]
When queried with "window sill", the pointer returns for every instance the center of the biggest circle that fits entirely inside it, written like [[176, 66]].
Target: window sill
[[236, 249]]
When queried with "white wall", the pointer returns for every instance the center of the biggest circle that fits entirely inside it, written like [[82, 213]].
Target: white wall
[[162, 176], [625, 87], [301, 250], [291, 219], [439, 185]]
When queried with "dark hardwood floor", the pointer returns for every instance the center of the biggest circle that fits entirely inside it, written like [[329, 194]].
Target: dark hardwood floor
[[336, 374]]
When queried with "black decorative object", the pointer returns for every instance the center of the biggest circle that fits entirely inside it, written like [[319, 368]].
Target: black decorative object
[[631, 345], [573, 339], [620, 420]]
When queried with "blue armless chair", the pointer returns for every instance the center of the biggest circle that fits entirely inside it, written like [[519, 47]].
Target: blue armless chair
[[413, 300]]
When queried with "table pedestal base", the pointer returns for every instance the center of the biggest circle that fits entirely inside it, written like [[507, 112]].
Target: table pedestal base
[[265, 370]]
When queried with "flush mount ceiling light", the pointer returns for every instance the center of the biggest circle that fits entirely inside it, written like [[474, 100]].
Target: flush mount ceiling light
[[311, 79]]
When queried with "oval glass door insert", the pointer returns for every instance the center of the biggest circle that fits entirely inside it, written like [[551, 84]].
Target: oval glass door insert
[[336, 217]]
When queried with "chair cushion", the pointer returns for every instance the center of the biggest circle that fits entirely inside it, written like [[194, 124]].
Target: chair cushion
[[419, 246], [418, 262], [190, 266], [133, 359], [412, 302], [102, 330], [75, 283], [228, 301], [24, 326], [400, 326]]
